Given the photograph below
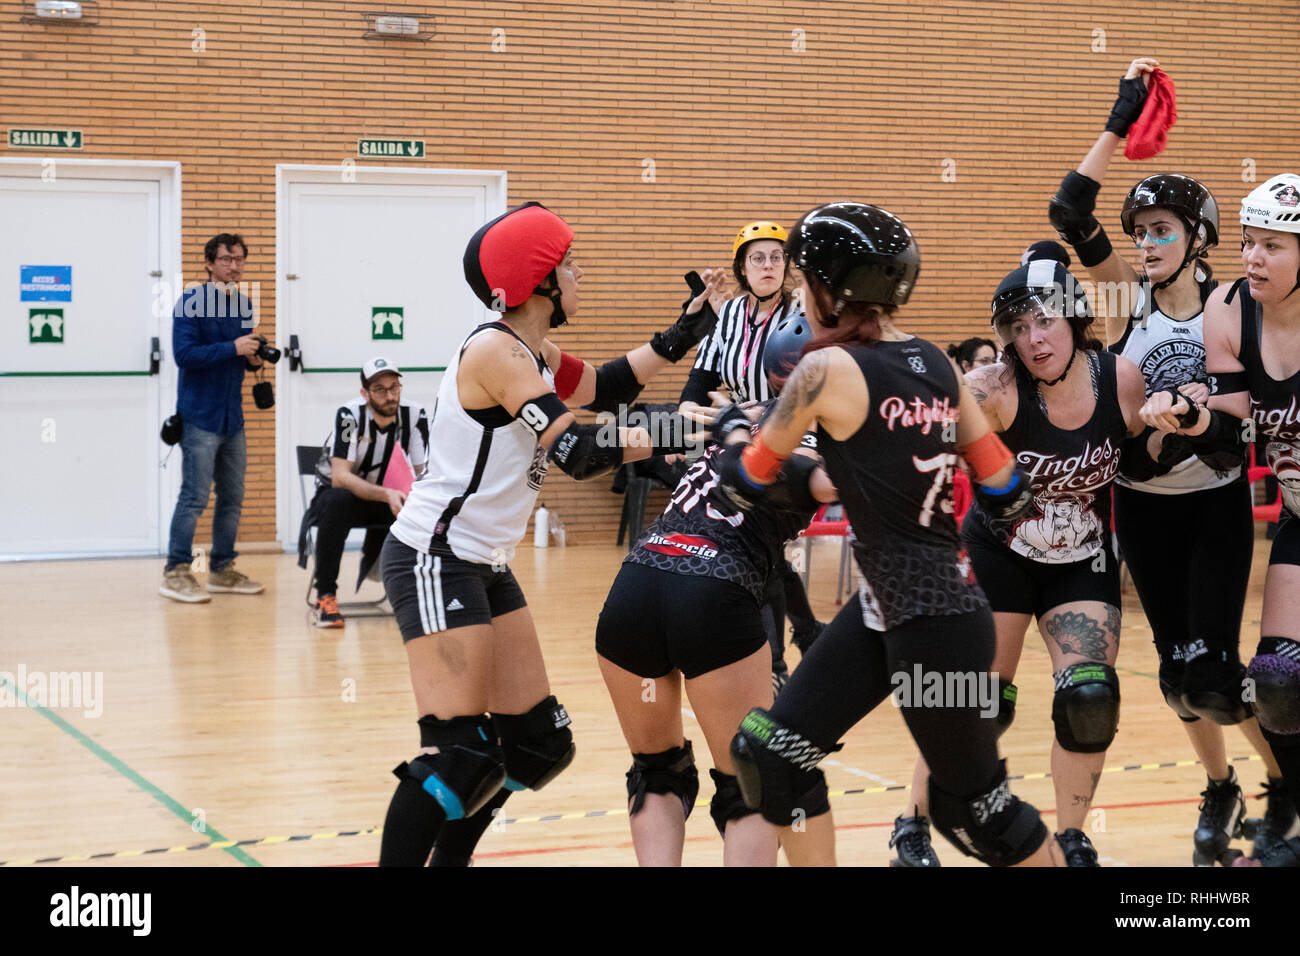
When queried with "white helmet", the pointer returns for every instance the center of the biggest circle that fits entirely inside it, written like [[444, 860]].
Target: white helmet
[[1274, 205]]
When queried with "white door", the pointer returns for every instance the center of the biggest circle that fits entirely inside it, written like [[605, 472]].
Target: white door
[[81, 407], [367, 267]]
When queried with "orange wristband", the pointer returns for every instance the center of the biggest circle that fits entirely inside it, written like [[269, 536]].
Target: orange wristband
[[986, 456], [761, 462]]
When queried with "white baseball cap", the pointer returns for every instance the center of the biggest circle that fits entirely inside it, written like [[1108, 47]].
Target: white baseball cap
[[377, 366]]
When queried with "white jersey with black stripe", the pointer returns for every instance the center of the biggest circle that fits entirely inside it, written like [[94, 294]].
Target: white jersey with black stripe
[[1170, 354], [357, 439], [734, 350], [485, 471]]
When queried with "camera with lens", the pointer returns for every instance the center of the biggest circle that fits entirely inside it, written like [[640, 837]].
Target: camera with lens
[[268, 353]]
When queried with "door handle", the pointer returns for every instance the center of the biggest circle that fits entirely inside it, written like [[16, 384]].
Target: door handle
[[155, 356], [295, 354]]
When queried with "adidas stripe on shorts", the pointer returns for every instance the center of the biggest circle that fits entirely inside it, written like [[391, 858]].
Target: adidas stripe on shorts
[[437, 591]]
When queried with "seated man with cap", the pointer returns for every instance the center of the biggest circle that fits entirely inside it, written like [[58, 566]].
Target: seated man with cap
[[350, 487]]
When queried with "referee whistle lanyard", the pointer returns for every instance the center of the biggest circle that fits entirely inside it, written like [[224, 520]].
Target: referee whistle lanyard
[[744, 345]]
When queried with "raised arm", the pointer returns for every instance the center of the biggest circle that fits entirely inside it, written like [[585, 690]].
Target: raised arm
[[1071, 209]]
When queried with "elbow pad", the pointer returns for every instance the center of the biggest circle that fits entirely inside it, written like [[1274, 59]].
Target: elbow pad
[[1070, 210], [616, 385], [585, 451]]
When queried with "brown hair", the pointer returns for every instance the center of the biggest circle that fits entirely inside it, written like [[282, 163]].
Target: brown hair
[[856, 323]]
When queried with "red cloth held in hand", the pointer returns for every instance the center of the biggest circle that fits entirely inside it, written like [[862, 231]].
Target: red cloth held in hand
[[1147, 137]]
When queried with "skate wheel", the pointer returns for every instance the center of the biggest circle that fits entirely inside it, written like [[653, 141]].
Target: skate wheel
[[1250, 826], [1230, 857], [1246, 861]]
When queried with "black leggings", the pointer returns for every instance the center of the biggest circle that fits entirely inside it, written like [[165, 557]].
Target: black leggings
[[1190, 559], [851, 669]]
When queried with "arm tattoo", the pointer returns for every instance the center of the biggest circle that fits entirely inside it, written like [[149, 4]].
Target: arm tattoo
[[806, 383], [1077, 633]]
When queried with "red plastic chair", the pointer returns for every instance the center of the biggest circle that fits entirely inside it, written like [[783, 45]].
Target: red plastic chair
[[1270, 511], [819, 527]]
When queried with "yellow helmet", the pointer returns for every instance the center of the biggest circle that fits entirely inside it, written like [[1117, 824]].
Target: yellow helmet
[[758, 230]]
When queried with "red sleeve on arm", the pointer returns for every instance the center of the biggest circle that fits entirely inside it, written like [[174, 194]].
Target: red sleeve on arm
[[986, 456], [568, 376]]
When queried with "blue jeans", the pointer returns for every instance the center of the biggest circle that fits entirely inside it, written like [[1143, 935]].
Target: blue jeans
[[205, 457]]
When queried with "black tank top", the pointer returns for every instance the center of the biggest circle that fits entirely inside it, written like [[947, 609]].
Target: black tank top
[[702, 533], [894, 476], [1274, 405], [1070, 471]]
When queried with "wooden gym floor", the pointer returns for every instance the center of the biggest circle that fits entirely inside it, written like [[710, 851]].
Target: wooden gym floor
[[236, 734]]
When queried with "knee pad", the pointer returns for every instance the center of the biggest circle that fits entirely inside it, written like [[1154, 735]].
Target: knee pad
[[672, 771], [776, 770], [1275, 677], [1170, 677], [727, 803], [1007, 693], [466, 771], [537, 745], [995, 827], [1085, 708], [1212, 685]]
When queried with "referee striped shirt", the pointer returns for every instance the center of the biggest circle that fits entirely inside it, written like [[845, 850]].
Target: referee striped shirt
[[734, 351]]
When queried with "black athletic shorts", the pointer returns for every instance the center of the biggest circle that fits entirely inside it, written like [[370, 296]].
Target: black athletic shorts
[[1015, 584], [433, 592], [655, 621], [1286, 546]]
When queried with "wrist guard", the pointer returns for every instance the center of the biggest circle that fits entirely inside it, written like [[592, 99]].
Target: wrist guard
[[791, 490], [1128, 106], [1009, 503], [674, 342]]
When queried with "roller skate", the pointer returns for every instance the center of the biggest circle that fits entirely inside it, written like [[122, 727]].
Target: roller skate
[[1278, 824], [1222, 810], [912, 837], [1077, 848]]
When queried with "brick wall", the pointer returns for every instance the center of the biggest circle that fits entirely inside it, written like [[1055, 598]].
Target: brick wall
[[657, 129]]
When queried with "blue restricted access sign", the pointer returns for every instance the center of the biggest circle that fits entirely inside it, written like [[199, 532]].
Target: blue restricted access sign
[[45, 283]]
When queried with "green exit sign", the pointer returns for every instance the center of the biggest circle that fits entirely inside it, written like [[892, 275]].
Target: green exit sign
[[44, 138], [391, 148]]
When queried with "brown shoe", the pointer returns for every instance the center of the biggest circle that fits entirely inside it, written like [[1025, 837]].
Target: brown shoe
[[179, 585], [230, 581]]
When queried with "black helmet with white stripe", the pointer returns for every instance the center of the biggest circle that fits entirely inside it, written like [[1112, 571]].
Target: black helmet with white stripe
[[859, 252], [1042, 288]]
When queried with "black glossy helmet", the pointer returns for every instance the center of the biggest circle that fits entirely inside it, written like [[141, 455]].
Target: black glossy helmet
[[1180, 194], [1189, 201], [861, 253]]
